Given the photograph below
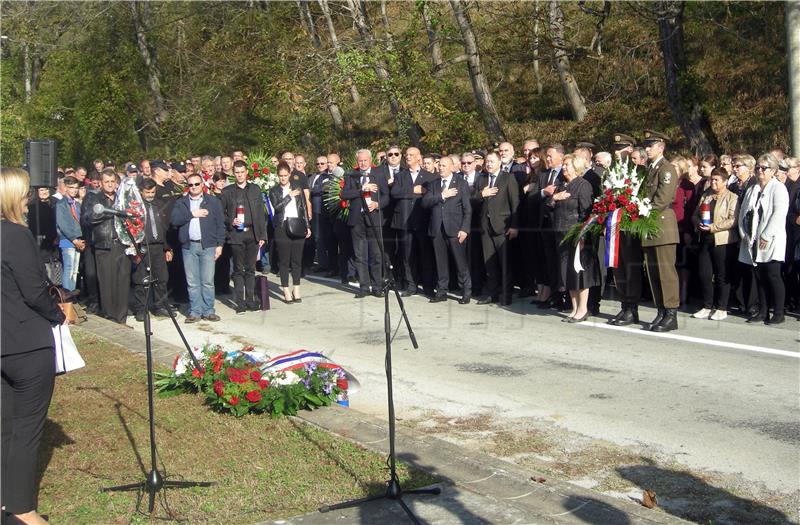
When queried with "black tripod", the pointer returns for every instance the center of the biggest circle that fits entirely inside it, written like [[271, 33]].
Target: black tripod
[[393, 489], [154, 481]]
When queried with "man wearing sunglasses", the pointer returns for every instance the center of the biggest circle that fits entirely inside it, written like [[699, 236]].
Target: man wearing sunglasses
[[321, 227], [389, 170], [201, 231]]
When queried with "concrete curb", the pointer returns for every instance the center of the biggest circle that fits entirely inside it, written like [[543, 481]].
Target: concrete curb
[[504, 492]]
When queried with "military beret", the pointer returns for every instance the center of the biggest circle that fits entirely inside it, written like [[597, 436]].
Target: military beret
[[651, 137], [587, 145], [180, 167], [159, 164], [622, 141]]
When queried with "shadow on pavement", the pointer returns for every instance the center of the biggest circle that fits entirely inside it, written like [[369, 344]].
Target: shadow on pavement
[[692, 498]]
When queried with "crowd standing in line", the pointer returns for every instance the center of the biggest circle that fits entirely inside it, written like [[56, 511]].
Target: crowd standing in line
[[486, 224]]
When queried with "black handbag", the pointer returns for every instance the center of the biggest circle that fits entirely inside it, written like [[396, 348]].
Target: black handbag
[[295, 227]]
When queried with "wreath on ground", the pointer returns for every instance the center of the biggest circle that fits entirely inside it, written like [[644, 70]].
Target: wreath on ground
[[247, 381]]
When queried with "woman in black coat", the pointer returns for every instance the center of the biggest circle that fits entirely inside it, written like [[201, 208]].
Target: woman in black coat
[[287, 206], [572, 204], [27, 350]]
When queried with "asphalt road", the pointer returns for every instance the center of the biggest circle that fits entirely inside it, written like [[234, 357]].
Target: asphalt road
[[722, 396]]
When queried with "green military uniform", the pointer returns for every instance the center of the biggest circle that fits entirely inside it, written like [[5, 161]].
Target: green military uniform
[[659, 249]]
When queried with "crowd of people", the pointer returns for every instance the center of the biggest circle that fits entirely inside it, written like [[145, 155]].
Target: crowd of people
[[484, 225]]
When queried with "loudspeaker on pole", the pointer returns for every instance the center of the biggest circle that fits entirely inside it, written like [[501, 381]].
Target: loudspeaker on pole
[[41, 161]]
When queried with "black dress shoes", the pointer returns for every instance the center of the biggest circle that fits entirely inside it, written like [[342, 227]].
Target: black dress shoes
[[407, 293], [438, 299], [487, 300], [757, 317], [360, 294], [655, 322], [377, 293], [668, 322], [464, 300], [775, 319], [578, 319]]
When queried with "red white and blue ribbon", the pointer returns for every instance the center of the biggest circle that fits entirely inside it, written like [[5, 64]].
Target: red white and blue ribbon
[[612, 238], [299, 358], [576, 259]]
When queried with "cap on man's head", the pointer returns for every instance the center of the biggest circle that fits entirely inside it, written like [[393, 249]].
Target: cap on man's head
[[180, 167], [132, 168], [478, 153], [587, 145], [159, 164], [651, 137], [622, 141]]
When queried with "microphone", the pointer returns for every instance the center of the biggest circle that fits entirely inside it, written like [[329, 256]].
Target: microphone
[[99, 209]]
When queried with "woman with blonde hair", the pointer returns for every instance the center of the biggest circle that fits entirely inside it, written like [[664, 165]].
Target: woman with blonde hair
[[26, 350]]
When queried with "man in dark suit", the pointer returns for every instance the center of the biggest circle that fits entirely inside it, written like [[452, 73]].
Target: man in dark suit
[[367, 194], [659, 250], [472, 176], [113, 266], [390, 169], [415, 251], [246, 233], [547, 182], [500, 195], [449, 224], [157, 254]]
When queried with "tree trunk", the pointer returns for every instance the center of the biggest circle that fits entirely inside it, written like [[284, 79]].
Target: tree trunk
[[536, 75], [333, 107], [26, 60], [480, 86], [355, 96], [403, 119], [141, 26], [691, 120], [572, 94], [433, 40], [387, 34]]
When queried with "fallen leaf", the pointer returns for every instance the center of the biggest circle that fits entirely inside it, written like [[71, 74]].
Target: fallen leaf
[[538, 479], [649, 499]]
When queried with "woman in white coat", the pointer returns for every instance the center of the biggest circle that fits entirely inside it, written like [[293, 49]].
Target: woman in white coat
[[762, 227]]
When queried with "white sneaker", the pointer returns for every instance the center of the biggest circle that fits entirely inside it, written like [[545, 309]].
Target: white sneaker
[[702, 314], [719, 315]]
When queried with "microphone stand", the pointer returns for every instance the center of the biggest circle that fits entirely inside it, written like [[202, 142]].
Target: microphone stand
[[154, 480], [393, 489]]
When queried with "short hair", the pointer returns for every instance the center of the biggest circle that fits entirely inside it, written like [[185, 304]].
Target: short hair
[[69, 180], [747, 160], [14, 186], [641, 151], [364, 150], [193, 175], [606, 156], [558, 147], [80, 168], [770, 159], [147, 184], [577, 162], [535, 152], [218, 176], [428, 156], [492, 153], [394, 146], [93, 175], [719, 172], [583, 151], [239, 164], [681, 165], [283, 165], [711, 159], [109, 172], [205, 158], [723, 158]]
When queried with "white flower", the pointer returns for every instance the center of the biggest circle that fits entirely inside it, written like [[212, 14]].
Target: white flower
[[644, 206]]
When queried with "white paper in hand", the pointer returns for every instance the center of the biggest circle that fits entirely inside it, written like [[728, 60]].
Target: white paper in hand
[[67, 356]]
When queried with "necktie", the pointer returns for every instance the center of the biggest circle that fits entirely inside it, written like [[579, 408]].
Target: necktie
[[363, 180], [552, 178], [444, 184], [152, 219], [491, 181]]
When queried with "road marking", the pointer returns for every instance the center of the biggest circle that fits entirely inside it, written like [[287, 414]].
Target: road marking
[[690, 339], [493, 474]]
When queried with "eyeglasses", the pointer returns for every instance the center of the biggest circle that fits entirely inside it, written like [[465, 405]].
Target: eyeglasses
[[762, 168], [393, 154], [196, 184], [467, 162], [322, 163]]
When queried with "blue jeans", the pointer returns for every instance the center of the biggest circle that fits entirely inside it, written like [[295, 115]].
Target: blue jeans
[[70, 257], [198, 262]]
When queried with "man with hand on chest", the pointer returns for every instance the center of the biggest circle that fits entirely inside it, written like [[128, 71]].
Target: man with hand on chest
[[448, 228], [246, 232]]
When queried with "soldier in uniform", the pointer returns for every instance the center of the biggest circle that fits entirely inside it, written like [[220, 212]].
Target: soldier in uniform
[[628, 273], [659, 250]]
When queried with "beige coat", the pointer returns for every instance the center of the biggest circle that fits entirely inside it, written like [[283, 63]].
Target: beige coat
[[723, 222]]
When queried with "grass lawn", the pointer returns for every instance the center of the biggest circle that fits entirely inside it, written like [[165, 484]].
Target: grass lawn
[[96, 435]]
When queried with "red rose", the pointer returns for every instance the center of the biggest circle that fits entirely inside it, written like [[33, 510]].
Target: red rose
[[601, 219], [217, 356], [263, 384], [219, 387], [341, 183], [343, 204], [265, 171], [254, 165], [612, 207], [629, 191], [234, 400], [217, 366], [197, 373], [254, 396], [255, 375]]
